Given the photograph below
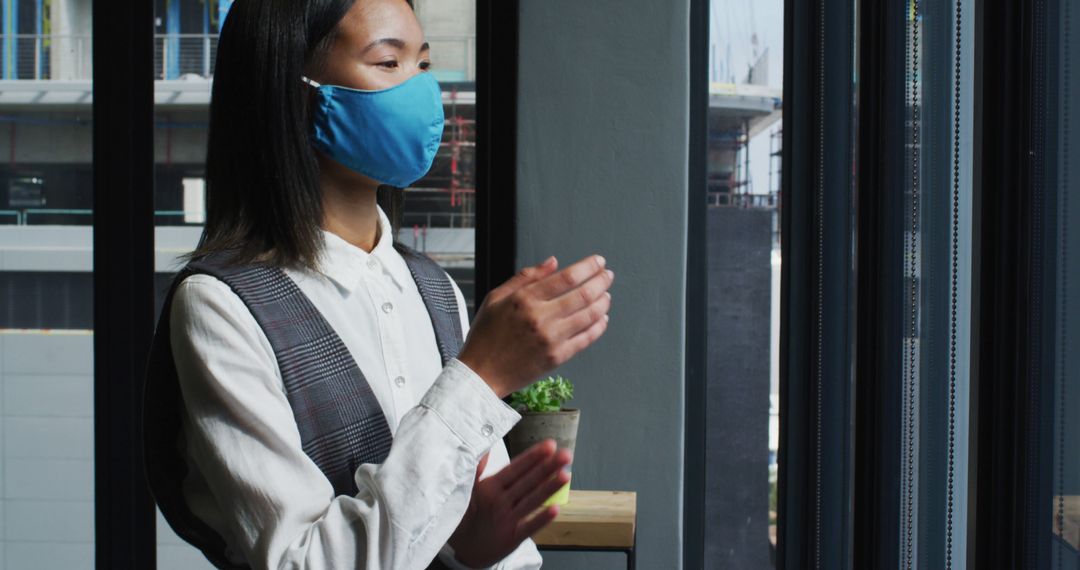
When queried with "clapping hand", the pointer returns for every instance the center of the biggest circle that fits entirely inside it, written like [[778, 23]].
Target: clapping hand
[[538, 320], [502, 511]]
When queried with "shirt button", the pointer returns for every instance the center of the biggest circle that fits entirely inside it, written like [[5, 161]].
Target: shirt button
[[372, 264], [400, 381], [387, 307], [487, 430]]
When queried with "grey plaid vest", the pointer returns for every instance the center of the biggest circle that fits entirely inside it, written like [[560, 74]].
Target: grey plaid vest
[[340, 422]]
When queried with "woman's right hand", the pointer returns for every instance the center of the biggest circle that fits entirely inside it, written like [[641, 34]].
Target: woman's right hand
[[536, 321]]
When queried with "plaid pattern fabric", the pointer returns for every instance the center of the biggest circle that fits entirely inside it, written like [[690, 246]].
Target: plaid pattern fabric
[[340, 421], [439, 298]]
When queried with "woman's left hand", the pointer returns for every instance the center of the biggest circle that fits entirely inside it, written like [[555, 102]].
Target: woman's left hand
[[501, 510]]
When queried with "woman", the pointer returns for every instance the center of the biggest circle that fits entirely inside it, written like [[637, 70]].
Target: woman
[[310, 403]]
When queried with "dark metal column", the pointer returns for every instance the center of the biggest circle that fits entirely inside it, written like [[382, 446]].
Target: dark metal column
[[880, 283], [694, 483], [123, 278], [496, 143]]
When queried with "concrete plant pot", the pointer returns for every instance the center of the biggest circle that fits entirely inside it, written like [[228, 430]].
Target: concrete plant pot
[[534, 427]]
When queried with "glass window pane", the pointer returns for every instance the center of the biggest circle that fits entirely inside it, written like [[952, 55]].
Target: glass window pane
[[1062, 185], [440, 209], [743, 264], [185, 48], [46, 285], [937, 270]]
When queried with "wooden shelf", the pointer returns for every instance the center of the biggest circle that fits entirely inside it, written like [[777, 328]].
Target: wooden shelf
[[593, 519]]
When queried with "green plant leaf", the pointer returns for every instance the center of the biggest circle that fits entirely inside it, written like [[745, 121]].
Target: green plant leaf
[[547, 395]]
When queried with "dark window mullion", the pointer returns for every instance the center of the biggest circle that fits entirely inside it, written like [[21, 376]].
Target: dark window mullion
[[123, 279], [496, 143], [880, 289], [695, 452], [795, 454], [1011, 377]]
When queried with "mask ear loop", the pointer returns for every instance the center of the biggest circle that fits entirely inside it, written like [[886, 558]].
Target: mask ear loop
[[310, 82]]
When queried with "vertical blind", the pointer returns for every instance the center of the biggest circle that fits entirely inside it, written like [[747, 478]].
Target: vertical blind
[[931, 381]]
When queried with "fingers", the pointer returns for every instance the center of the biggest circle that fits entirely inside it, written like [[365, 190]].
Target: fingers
[[539, 494], [524, 277], [530, 480], [589, 292], [585, 318], [555, 284], [533, 525], [582, 340], [524, 462]]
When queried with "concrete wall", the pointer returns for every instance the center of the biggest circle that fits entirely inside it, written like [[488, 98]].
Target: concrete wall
[[47, 461], [55, 137], [450, 26], [69, 248], [70, 51], [737, 431], [46, 389], [447, 17], [603, 135]]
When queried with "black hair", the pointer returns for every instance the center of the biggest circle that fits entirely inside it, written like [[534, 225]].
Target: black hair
[[263, 199]]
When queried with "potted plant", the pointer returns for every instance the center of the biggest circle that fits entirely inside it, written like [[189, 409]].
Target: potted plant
[[543, 417]]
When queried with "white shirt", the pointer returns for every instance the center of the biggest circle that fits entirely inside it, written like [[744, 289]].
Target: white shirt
[[249, 477]]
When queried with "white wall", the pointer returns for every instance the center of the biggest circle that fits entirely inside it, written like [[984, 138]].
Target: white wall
[[47, 506], [47, 463], [447, 17], [70, 51], [450, 26], [603, 150], [62, 141]]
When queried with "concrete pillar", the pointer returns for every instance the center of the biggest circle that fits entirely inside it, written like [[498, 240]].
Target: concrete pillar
[[450, 27], [70, 48]]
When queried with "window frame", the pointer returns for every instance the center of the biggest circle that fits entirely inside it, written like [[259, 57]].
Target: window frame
[[1011, 382], [496, 164], [123, 274], [695, 379], [1011, 389], [880, 291]]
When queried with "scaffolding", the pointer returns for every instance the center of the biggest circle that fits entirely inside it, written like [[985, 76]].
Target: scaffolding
[[730, 182], [445, 197], [728, 177]]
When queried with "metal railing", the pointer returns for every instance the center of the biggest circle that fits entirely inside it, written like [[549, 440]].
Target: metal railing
[[738, 200], [85, 216], [438, 219], [78, 216], [33, 56], [178, 56]]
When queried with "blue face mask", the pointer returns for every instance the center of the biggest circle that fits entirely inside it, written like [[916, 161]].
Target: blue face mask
[[390, 135]]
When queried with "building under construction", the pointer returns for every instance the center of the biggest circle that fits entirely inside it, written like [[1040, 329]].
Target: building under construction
[[742, 245]]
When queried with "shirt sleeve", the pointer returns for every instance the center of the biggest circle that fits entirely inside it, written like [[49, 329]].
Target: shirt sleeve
[[526, 557], [278, 509]]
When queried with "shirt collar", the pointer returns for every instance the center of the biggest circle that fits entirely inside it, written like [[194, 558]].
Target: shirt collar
[[345, 263]]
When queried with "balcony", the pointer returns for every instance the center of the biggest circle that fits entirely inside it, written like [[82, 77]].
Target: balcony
[[56, 70]]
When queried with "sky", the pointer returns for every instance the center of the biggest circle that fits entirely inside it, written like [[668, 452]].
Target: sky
[[733, 27]]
